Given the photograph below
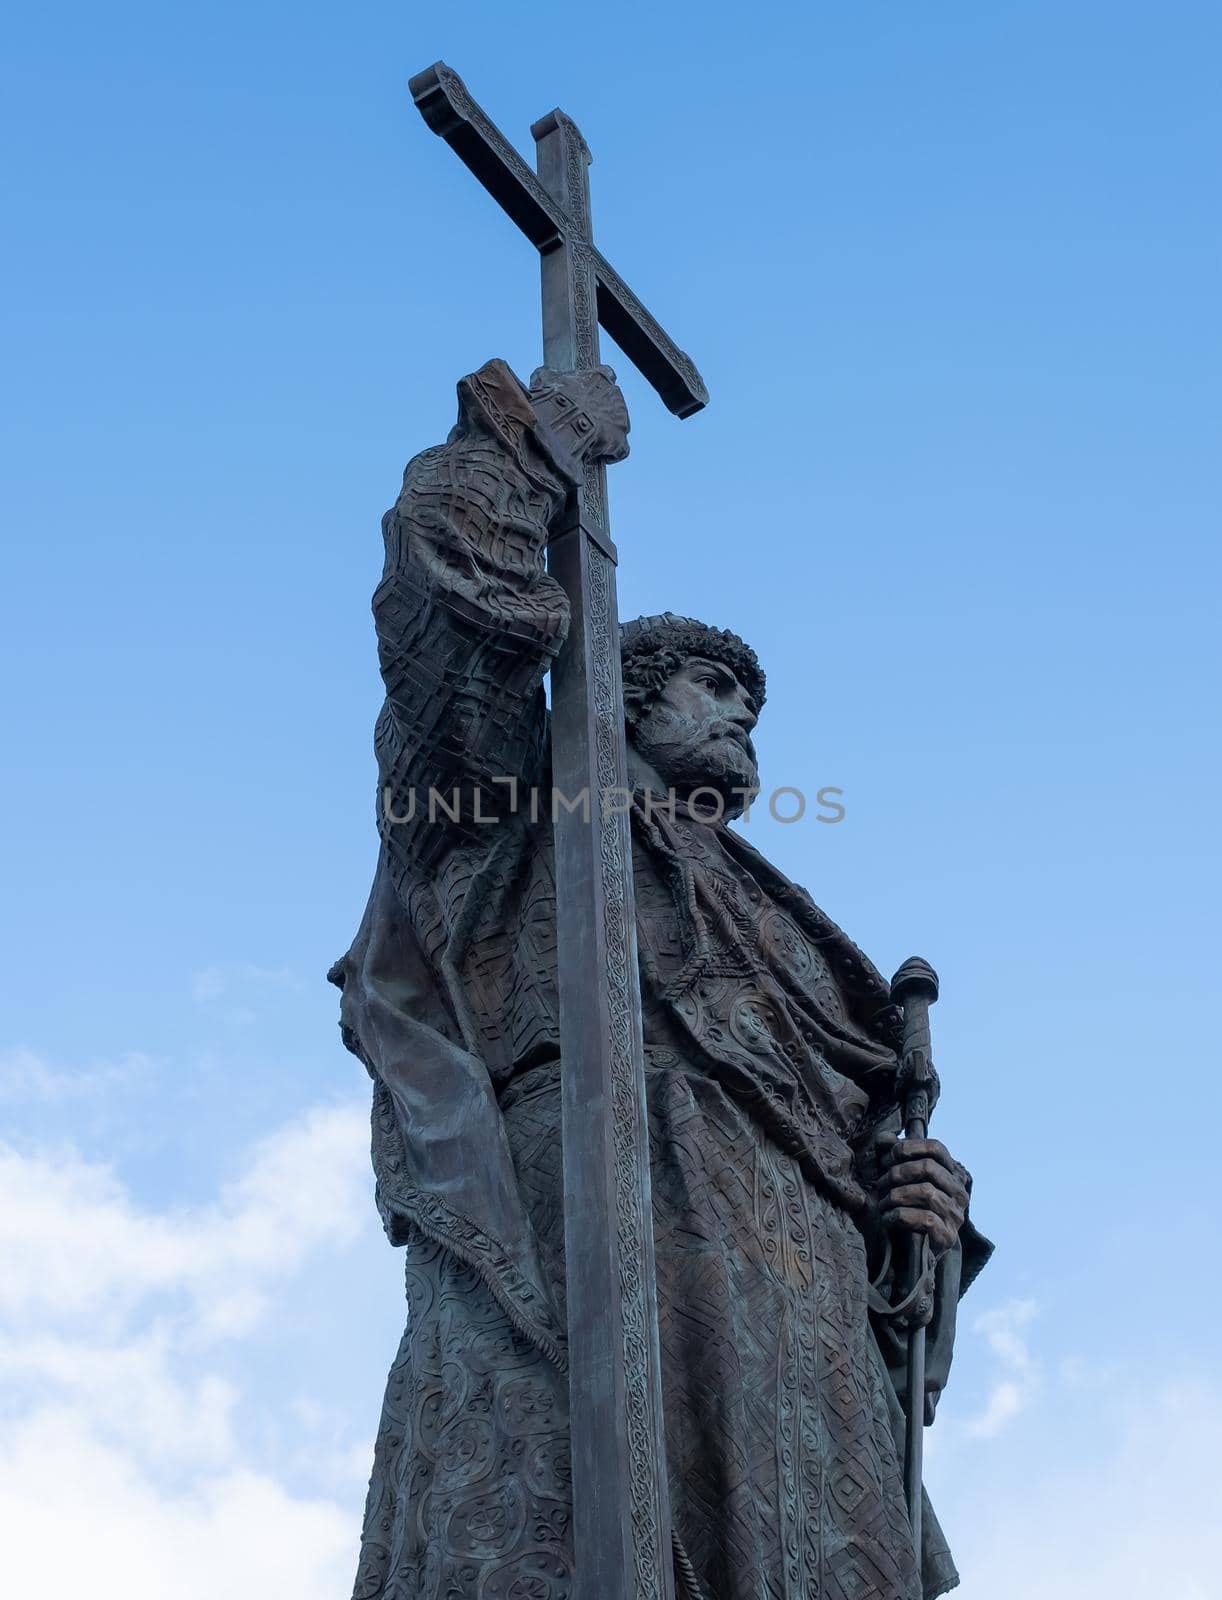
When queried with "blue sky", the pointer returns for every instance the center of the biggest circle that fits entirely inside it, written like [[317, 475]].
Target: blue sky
[[951, 273]]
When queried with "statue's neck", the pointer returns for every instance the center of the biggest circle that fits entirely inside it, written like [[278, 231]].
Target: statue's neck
[[641, 775]]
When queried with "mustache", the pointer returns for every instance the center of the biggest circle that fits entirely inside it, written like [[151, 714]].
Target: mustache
[[736, 732]]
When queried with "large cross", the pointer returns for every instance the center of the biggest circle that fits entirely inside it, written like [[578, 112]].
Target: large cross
[[621, 1518]]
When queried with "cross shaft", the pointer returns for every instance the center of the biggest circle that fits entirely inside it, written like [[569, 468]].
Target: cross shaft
[[621, 1517]]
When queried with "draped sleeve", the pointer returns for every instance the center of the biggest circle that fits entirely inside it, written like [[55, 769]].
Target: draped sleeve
[[468, 622]]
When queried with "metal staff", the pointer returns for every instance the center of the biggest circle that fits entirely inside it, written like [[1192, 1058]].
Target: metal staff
[[915, 987]]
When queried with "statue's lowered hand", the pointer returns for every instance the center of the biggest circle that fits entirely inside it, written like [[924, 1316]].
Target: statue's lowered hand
[[583, 412], [923, 1189]]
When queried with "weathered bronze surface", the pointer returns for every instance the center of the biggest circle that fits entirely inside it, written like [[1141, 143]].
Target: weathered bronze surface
[[621, 1524], [772, 1064]]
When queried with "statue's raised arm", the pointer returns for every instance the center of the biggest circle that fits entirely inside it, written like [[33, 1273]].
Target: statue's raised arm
[[468, 619]]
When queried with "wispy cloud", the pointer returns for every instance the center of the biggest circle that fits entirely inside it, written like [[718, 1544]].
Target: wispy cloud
[[1077, 1479], [121, 1453], [129, 1390], [28, 1078], [1121, 1508], [212, 983], [302, 1188], [207, 985], [1018, 1378]]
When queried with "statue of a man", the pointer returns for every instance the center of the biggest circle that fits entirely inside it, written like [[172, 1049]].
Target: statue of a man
[[770, 1046]]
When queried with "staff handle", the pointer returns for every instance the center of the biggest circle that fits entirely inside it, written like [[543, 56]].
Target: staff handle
[[915, 988]]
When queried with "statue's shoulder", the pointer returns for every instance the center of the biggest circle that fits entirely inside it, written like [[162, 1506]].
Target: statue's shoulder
[[495, 395]]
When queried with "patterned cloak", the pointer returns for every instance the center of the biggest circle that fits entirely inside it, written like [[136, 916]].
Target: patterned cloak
[[770, 1065]]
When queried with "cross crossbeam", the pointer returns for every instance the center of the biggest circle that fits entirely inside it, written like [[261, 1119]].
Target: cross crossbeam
[[446, 105]]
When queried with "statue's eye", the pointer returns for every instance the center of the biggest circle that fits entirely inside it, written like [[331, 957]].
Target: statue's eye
[[710, 682]]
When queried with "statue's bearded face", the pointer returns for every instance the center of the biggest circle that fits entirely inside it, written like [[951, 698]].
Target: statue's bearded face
[[697, 732]]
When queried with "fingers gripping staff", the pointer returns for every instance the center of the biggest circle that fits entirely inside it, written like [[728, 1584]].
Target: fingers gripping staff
[[915, 988]]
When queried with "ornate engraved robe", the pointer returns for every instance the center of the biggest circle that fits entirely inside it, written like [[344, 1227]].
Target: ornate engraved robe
[[770, 1055]]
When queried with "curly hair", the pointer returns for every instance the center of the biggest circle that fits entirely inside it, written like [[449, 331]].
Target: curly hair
[[652, 649]]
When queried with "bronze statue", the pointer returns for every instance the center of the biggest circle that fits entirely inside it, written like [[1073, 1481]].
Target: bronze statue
[[771, 1065]]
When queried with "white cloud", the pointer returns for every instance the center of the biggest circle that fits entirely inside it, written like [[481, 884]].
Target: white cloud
[[1127, 1510], [28, 1078], [1013, 1390], [79, 1516], [125, 1466], [121, 1470], [304, 1187], [129, 1391], [210, 983], [1079, 1479], [325, 1436]]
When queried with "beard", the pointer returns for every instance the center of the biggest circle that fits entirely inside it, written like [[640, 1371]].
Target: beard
[[688, 755]]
